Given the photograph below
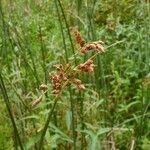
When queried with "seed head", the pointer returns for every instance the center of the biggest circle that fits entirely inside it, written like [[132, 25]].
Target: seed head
[[43, 87], [88, 66], [37, 101], [97, 46], [79, 84], [78, 37]]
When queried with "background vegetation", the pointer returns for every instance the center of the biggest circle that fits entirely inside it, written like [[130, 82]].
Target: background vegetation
[[112, 112]]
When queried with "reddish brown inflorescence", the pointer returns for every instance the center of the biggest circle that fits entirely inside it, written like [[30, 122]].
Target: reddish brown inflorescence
[[56, 84], [64, 75], [97, 46], [59, 78], [79, 38], [88, 66], [85, 47], [79, 84]]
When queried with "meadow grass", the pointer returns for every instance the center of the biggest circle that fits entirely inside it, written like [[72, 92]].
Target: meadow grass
[[113, 110]]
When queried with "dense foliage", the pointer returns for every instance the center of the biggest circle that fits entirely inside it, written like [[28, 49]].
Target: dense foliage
[[111, 111]]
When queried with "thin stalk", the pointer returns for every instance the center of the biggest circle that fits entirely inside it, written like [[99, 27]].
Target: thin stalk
[[62, 32], [46, 125], [73, 119], [68, 31], [6, 100], [90, 10], [43, 60], [146, 37], [15, 141], [79, 4], [66, 54], [49, 118], [81, 98], [64, 45], [4, 47], [43, 54]]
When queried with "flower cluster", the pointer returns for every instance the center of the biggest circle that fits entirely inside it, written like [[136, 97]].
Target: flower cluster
[[64, 75], [59, 78], [85, 47], [88, 66], [79, 38], [97, 46], [79, 84]]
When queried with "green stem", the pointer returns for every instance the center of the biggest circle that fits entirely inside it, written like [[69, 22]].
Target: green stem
[[73, 119], [46, 125], [62, 32], [6, 100], [68, 31], [49, 117]]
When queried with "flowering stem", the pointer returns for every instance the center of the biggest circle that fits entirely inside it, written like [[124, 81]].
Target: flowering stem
[[72, 109], [46, 124], [49, 117], [106, 48]]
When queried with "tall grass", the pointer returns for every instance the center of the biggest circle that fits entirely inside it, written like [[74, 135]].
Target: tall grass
[[113, 111]]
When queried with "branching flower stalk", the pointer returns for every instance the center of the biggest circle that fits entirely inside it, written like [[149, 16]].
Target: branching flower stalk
[[66, 76]]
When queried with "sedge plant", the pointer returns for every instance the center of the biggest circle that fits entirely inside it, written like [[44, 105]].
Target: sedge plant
[[67, 75]]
